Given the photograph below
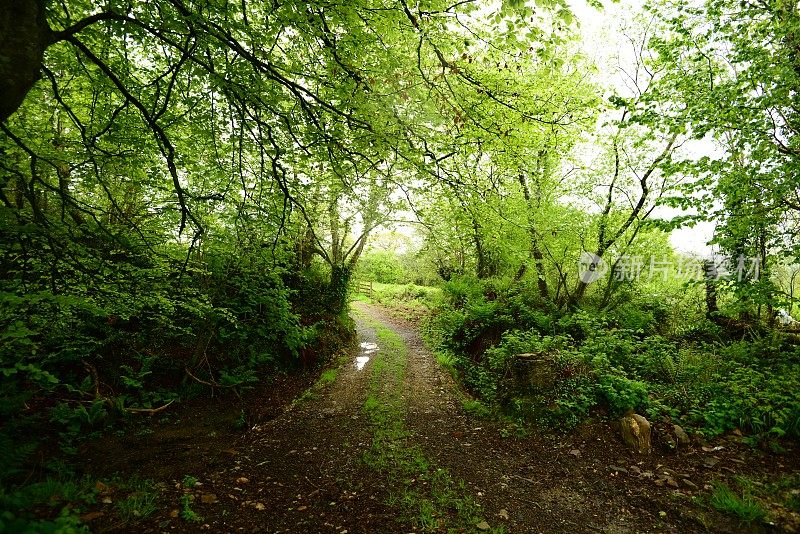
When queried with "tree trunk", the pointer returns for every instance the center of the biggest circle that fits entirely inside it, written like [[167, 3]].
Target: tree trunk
[[481, 269], [764, 274], [337, 288], [305, 248], [582, 284], [64, 174], [538, 260], [24, 36], [709, 269], [536, 251]]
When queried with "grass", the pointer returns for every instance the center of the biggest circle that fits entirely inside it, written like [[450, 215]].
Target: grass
[[756, 499], [187, 514], [359, 297], [241, 421], [786, 490], [325, 379], [724, 499], [51, 491], [189, 481], [446, 359], [783, 491], [475, 408], [426, 495], [70, 495], [472, 406], [140, 503], [402, 295]]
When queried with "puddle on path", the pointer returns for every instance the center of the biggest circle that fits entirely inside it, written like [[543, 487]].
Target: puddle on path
[[367, 351]]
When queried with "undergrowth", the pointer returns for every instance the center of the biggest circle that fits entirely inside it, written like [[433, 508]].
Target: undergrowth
[[556, 368]]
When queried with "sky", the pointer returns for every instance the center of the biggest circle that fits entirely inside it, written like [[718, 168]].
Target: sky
[[601, 40]]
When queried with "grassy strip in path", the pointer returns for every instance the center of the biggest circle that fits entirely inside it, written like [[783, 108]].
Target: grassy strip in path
[[326, 378], [427, 496]]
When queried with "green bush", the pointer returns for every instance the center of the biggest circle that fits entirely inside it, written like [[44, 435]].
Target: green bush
[[95, 322], [253, 319], [761, 400], [647, 315], [622, 394], [623, 359]]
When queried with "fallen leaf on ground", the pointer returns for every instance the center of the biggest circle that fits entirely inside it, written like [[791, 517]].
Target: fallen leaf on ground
[[483, 525], [91, 515]]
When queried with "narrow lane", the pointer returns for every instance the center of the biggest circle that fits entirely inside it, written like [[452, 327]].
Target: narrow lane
[[387, 447]]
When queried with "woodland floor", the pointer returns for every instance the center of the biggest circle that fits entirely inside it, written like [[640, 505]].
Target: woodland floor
[[343, 459]]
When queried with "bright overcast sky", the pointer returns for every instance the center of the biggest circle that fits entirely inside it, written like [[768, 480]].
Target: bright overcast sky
[[602, 43]]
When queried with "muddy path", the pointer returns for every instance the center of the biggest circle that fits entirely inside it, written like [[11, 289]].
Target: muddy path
[[387, 447]]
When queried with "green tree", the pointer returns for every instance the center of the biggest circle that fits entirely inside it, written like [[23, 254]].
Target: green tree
[[734, 67]]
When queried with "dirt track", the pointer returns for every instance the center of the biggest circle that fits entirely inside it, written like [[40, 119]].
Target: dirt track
[[305, 469]]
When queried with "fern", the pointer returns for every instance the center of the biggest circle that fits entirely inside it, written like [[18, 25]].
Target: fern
[[12, 456]]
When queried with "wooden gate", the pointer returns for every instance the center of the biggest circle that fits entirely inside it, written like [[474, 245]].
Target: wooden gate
[[364, 287]]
